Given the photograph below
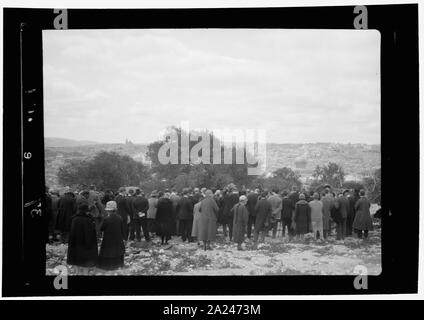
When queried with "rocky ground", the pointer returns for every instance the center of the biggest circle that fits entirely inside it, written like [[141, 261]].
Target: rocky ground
[[274, 257]]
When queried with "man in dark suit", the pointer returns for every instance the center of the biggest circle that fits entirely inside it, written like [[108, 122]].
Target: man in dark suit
[[124, 209], [344, 212], [185, 216], [287, 214], [140, 205]]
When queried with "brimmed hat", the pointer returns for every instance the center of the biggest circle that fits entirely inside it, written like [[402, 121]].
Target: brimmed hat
[[111, 206], [242, 198]]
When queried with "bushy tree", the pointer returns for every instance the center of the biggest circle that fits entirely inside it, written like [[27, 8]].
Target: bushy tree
[[282, 179], [372, 185], [107, 170], [201, 174], [331, 174]]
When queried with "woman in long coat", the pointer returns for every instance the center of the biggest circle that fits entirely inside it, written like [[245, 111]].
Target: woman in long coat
[[82, 248], [164, 219], [263, 210], [363, 221], [208, 216], [302, 216], [241, 217], [112, 250]]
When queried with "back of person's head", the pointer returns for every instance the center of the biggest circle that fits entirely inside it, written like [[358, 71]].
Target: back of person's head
[[316, 195], [131, 192], [160, 194], [362, 193], [294, 188], [284, 193], [92, 187], [302, 196], [264, 194], [275, 190], [137, 191], [85, 193]]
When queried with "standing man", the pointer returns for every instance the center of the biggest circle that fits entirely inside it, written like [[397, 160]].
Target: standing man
[[327, 205], [316, 216], [263, 215], [185, 216], [151, 212], [140, 207], [230, 200], [344, 212], [277, 205], [96, 208], [240, 218], [175, 198], [287, 214], [352, 197], [252, 200], [124, 210]]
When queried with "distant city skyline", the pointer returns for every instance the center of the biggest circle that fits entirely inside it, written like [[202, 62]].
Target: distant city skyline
[[301, 86]]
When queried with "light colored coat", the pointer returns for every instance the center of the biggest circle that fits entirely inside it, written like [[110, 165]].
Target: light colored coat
[[208, 216], [196, 217], [316, 216]]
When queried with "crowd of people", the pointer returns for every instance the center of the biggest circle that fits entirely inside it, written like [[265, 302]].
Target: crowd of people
[[87, 218]]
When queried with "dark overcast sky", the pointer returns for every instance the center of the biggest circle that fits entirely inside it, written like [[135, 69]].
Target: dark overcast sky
[[299, 85]]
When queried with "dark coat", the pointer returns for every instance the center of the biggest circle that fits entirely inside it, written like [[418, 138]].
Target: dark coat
[[288, 208], [302, 217], [230, 200], [123, 204], [363, 219], [82, 248], [113, 229], [220, 202], [352, 202], [67, 208], [240, 218], [252, 200], [185, 209], [344, 206], [263, 214], [164, 217], [294, 197], [140, 205], [54, 210], [336, 213]]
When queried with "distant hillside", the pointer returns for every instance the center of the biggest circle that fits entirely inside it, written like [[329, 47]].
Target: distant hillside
[[62, 142], [357, 160]]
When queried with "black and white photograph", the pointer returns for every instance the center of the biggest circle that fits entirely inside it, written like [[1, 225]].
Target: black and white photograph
[[212, 151]]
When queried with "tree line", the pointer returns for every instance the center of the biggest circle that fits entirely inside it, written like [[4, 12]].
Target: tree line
[[111, 170]]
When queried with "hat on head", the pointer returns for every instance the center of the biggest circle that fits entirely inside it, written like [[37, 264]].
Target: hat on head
[[243, 198], [122, 189], [111, 206]]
